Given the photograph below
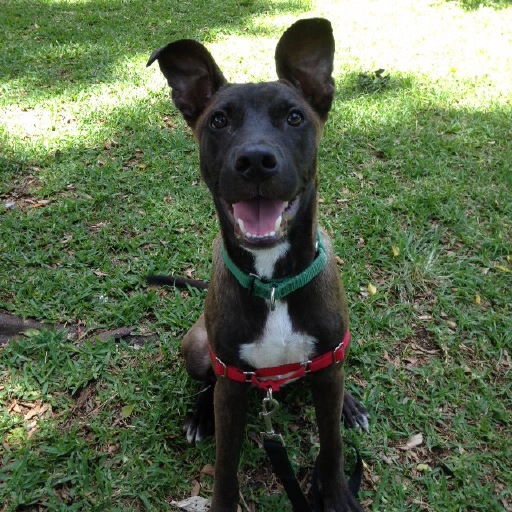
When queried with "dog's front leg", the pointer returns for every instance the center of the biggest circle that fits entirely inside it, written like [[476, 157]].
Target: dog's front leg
[[327, 388], [230, 419]]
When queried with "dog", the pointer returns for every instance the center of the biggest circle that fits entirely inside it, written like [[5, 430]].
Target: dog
[[275, 298]]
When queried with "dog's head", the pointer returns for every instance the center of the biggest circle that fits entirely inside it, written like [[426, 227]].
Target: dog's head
[[257, 142]]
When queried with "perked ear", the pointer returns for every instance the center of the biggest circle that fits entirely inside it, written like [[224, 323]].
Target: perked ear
[[304, 57], [192, 74]]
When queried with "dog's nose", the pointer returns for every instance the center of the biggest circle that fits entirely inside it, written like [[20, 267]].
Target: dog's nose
[[257, 161]]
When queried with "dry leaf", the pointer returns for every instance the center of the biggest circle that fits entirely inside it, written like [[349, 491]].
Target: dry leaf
[[413, 442], [372, 289], [193, 504], [196, 488], [395, 251], [478, 299], [208, 469]]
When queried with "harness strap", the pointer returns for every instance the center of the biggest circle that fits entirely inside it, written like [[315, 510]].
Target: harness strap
[[276, 376]]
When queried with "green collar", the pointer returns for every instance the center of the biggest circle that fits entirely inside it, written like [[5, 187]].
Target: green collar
[[276, 289]]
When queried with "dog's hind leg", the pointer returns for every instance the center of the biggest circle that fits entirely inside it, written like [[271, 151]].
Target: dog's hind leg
[[194, 348], [354, 413], [200, 423]]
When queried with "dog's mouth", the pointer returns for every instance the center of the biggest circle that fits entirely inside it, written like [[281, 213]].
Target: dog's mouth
[[262, 221]]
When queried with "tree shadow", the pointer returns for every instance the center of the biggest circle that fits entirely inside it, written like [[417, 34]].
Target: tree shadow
[[51, 45]]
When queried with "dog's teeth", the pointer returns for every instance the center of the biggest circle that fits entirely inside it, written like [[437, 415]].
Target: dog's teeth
[[278, 224], [241, 226]]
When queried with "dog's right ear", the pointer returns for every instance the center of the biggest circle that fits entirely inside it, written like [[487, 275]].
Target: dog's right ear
[[192, 74]]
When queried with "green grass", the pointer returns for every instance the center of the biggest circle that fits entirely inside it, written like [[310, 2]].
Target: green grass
[[99, 186]]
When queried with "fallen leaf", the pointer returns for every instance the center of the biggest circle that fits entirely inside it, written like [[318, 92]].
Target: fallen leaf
[[193, 504], [127, 410], [395, 251], [30, 333], [208, 469], [196, 488], [372, 289], [423, 468], [478, 300], [413, 442], [41, 202]]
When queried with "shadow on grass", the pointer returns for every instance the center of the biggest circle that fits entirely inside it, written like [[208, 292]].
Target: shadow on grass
[[145, 212], [56, 44]]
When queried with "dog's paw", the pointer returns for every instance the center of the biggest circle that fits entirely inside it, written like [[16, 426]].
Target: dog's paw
[[200, 424], [354, 413], [197, 430]]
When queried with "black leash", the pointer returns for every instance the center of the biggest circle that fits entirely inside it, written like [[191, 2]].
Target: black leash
[[276, 451], [278, 456]]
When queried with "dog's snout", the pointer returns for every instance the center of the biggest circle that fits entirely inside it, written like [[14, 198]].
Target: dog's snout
[[256, 162]]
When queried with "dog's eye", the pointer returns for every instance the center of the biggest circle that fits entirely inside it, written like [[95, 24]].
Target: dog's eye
[[218, 120], [295, 118]]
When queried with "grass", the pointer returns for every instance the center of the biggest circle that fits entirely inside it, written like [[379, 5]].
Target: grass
[[99, 186]]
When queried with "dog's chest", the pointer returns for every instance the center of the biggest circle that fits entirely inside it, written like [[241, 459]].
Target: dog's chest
[[279, 343]]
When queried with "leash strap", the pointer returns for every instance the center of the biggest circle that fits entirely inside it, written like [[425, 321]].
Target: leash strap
[[276, 289], [278, 457]]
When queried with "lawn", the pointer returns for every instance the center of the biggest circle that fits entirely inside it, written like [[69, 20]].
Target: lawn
[[99, 186]]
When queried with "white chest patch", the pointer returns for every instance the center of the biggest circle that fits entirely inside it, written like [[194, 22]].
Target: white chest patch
[[266, 259], [279, 344]]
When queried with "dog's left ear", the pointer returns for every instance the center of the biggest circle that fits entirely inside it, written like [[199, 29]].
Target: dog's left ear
[[304, 56], [192, 74]]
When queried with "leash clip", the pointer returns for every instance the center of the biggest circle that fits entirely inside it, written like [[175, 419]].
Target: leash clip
[[270, 406]]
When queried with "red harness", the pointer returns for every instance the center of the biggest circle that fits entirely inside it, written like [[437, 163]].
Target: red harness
[[273, 378]]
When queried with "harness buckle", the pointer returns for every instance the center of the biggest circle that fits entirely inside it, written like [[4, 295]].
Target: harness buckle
[[305, 365], [249, 376], [334, 352], [225, 368]]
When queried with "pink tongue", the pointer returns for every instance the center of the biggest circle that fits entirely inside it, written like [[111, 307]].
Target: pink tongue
[[259, 215]]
